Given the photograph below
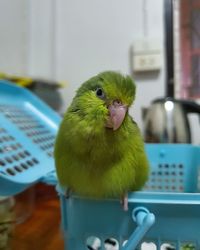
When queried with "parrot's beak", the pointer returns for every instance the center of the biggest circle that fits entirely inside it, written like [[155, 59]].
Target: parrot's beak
[[117, 112]]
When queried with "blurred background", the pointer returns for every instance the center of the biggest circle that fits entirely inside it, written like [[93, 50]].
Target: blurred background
[[69, 41]]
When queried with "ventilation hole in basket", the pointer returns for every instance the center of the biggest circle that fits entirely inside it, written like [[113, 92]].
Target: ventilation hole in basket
[[50, 154], [8, 159], [3, 139], [42, 137], [18, 169], [27, 153], [9, 138], [15, 157], [166, 165], [29, 163], [7, 148], [93, 243], [148, 246], [19, 145], [10, 171], [6, 138], [35, 160], [24, 166], [2, 130], [22, 155], [181, 188], [180, 165], [2, 163], [111, 244], [168, 246]]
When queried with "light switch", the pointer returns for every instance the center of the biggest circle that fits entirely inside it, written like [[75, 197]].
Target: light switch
[[146, 62], [147, 55]]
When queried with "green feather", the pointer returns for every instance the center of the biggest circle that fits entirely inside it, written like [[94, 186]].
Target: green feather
[[94, 160]]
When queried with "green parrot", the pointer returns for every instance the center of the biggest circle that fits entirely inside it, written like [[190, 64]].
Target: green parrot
[[99, 151]]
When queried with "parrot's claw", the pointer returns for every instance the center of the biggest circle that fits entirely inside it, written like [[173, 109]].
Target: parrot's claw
[[124, 202], [68, 193]]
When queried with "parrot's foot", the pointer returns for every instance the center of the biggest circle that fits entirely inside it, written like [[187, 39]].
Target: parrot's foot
[[68, 193], [124, 202]]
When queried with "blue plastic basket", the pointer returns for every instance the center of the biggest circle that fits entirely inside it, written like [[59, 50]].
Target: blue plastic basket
[[27, 133], [174, 168], [164, 213]]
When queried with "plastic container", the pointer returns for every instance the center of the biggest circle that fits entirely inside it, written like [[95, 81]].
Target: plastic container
[[27, 133], [166, 213], [174, 169]]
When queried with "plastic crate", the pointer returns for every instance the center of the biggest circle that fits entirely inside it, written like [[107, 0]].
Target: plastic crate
[[164, 214], [174, 168], [27, 132]]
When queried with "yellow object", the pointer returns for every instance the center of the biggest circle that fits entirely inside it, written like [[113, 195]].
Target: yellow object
[[28, 82], [21, 81]]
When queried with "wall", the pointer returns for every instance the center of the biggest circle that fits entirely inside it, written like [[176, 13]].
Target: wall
[[42, 38], [13, 36], [92, 36], [72, 40]]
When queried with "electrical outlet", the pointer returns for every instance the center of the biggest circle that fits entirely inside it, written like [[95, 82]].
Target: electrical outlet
[[147, 55], [146, 62]]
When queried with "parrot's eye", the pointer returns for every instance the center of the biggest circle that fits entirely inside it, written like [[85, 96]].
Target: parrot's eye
[[100, 93]]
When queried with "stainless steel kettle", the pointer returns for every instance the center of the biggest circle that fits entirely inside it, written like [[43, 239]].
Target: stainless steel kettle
[[166, 121]]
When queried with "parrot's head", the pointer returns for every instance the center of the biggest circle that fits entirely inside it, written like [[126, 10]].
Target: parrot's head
[[105, 98]]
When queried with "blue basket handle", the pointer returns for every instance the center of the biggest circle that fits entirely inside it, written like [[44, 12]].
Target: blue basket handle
[[145, 221]]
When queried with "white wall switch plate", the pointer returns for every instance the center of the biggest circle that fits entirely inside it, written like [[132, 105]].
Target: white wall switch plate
[[147, 55]]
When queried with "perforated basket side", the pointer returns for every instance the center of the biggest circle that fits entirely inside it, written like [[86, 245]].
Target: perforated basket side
[[96, 223], [174, 167], [89, 223], [33, 127], [27, 133]]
